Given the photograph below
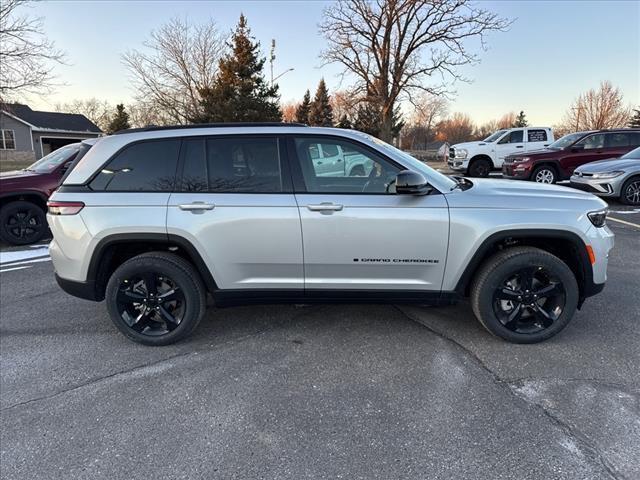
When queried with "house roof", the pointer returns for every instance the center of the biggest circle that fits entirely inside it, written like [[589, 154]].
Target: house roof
[[72, 122]]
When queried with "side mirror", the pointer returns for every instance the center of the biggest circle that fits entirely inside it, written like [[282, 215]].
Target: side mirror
[[409, 182]]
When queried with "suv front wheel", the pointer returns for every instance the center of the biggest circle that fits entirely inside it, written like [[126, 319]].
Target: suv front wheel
[[524, 295], [544, 174], [156, 298]]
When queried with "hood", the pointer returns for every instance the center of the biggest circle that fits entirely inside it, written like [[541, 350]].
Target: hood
[[541, 153], [627, 164], [514, 194], [467, 145]]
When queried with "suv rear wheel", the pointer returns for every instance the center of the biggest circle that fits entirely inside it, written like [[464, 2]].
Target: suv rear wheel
[[544, 174], [156, 298], [22, 222], [524, 295]]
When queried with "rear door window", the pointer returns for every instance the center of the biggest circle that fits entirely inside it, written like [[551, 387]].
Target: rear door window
[[232, 165], [142, 167], [536, 135]]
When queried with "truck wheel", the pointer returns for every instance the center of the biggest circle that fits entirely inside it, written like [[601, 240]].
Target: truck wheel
[[480, 168], [544, 174], [22, 222], [357, 171], [524, 295], [630, 192], [156, 298]]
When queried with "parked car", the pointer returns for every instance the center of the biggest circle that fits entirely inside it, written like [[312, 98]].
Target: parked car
[[24, 194], [477, 159], [184, 220], [561, 158], [330, 160], [611, 178]]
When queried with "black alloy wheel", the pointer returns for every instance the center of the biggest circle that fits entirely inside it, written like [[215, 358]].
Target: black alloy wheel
[[529, 300], [480, 168], [156, 298], [151, 303], [22, 223]]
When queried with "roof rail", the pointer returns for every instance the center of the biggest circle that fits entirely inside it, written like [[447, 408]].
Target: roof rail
[[154, 128]]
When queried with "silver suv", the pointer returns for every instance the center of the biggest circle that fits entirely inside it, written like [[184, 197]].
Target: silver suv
[[154, 219]]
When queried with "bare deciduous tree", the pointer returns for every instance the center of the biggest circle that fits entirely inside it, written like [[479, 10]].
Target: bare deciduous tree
[[27, 57], [456, 129], [98, 111], [178, 61], [597, 109], [507, 120], [428, 109], [393, 47], [289, 111]]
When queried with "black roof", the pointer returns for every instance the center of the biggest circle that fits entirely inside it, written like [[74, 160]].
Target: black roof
[[52, 120], [153, 128]]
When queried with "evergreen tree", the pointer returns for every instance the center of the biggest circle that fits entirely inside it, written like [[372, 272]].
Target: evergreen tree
[[521, 120], [120, 121], [634, 121], [302, 112], [344, 122], [369, 120], [240, 92], [321, 113]]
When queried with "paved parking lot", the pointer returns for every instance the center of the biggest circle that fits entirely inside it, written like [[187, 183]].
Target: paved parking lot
[[357, 391]]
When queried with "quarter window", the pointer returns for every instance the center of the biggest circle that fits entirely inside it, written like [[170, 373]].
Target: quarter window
[[7, 140], [344, 168], [142, 167], [536, 135]]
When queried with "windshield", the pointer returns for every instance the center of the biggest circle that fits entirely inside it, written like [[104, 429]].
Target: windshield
[[635, 153], [50, 162], [494, 136], [566, 141], [412, 161]]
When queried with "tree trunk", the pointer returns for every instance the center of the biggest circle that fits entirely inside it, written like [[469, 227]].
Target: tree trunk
[[386, 125]]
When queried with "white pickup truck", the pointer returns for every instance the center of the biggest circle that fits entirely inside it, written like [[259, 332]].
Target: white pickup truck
[[477, 159]]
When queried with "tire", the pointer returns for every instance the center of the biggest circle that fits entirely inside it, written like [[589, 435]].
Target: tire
[[509, 310], [630, 192], [142, 313], [545, 174], [22, 223], [480, 167], [357, 171]]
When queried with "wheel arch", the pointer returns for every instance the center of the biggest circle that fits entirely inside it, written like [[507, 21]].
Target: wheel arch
[[34, 197], [113, 250], [482, 156], [567, 246]]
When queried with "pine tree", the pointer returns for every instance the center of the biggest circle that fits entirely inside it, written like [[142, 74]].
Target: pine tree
[[369, 120], [302, 112], [521, 120], [120, 121], [321, 113], [634, 121], [344, 122], [240, 92]]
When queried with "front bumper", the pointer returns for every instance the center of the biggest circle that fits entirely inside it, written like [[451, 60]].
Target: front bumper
[[516, 171], [602, 187], [458, 165]]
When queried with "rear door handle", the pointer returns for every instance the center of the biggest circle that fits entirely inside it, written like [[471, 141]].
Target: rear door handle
[[519, 146], [325, 207], [196, 206]]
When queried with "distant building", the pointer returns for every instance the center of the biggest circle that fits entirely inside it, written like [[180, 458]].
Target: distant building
[[27, 135]]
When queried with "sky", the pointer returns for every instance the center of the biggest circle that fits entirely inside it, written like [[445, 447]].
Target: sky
[[553, 51]]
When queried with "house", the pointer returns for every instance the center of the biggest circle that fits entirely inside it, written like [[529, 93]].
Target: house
[[27, 135]]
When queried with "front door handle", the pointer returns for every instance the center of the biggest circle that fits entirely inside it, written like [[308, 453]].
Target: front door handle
[[196, 206], [519, 146], [325, 207]]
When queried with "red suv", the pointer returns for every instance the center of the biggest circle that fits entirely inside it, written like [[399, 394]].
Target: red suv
[[562, 157], [24, 194]]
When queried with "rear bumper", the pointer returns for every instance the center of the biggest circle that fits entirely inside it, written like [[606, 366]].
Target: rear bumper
[[84, 290]]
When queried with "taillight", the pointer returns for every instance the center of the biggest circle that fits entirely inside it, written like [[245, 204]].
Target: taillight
[[64, 208]]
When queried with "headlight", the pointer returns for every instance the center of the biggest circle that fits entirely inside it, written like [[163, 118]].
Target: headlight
[[521, 159], [598, 218], [461, 153], [613, 174]]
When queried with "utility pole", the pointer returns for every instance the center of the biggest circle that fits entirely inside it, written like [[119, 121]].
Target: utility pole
[[272, 56]]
